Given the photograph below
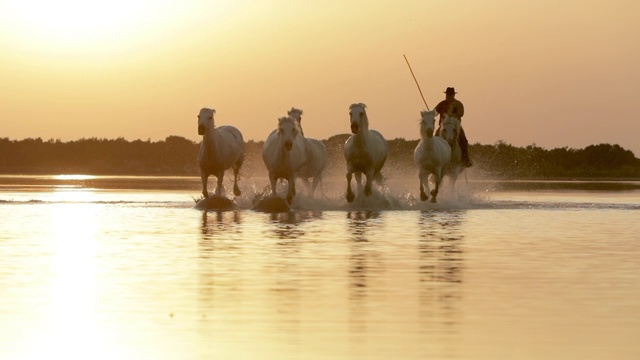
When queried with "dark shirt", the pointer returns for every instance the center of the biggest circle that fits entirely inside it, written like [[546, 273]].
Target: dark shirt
[[451, 107]]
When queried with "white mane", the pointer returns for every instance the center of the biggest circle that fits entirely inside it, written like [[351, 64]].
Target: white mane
[[427, 122], [295, 113], [205, 115], [355, 105], [288, 119]]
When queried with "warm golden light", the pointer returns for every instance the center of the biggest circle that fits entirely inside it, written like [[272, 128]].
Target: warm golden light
[[75, 22], [74, 177]]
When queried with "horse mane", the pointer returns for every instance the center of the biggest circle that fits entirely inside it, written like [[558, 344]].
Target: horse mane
[[294, 110], [207, 110], [363, 106], [426, 112], [285, 119]]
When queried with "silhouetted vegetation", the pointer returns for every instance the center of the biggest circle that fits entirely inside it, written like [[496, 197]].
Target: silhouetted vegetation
[[177, 156]]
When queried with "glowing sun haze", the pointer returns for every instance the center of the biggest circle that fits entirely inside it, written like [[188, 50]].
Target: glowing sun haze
[[553, 73]]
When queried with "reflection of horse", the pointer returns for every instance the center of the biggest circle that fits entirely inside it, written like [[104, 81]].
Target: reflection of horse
[[450, 131], [221, 148], [431, 155], [316, 157], [365, 151], [284, 154]]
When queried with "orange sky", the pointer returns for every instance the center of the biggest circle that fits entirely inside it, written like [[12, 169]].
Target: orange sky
[[551, 73]]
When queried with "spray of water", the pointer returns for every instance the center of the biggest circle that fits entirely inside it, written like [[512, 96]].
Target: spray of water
[[396, 194]]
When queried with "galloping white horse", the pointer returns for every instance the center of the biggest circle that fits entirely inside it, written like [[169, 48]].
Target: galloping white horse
[[365, 151], [316, 153], [284, 154], [431, 155], [450, 131], [221, 148]]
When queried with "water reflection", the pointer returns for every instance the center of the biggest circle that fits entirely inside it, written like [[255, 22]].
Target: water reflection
[[216, 223], [286, 225], [440, 250], [362, 265], [360, 222]]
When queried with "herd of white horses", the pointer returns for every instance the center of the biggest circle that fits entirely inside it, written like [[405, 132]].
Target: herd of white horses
[[289, 155]]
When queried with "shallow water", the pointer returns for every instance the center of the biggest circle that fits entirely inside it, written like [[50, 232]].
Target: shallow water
[[126, 268]]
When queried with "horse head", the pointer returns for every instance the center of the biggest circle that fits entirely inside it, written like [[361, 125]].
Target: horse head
[[288, 129], [205, 120], [358, 115], [296, 114], [450, 130], [427, 123]]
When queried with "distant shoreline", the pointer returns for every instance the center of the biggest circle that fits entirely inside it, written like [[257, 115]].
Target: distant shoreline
[[177, 156]]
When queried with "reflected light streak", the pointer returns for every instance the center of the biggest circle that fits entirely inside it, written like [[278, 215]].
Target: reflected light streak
[[71, 329], [74, 177]]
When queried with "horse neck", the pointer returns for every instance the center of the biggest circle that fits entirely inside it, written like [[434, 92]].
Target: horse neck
[[363, 134], [428, 142], [211, 140]]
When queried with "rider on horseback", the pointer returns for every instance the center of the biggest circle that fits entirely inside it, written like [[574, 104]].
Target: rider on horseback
[[453, 107]]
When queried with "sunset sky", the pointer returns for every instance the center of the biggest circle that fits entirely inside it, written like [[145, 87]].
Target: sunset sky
[[553, 73]]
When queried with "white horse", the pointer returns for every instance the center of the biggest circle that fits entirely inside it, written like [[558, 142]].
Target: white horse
[[450, 131], [365, 151], [284, 154], [431, 155], [221, 148], [316, 157]]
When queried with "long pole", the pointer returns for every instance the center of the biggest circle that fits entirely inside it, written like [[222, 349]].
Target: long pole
[[418, 85]]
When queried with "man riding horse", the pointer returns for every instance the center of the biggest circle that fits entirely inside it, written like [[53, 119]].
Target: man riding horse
[[454, 108]]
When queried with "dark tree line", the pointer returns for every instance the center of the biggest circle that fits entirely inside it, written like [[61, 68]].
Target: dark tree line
[[177, 156]]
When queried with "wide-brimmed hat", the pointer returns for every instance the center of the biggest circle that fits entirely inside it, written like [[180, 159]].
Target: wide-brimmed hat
[[450, 90]]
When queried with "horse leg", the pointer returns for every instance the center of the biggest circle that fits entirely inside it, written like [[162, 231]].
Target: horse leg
[[236, 188], [273, 179], [220, 188], [350, 195], [204, 178], [438, 179], [316, 180], [292, 189], [423, 180], [359, 182], [307, 186], [367, 186], [454, 178]]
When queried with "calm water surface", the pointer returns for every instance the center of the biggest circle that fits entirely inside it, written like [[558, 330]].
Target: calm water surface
[[126, 268]]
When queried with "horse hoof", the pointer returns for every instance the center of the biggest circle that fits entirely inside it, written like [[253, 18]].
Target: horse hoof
[[350, 197], [433, 200], [367, 192], [205, 194], [423, 197], [237, 192]]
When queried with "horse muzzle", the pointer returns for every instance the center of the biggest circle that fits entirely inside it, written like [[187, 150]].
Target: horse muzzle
[[354, 128], [201, 130], [288, 145]]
